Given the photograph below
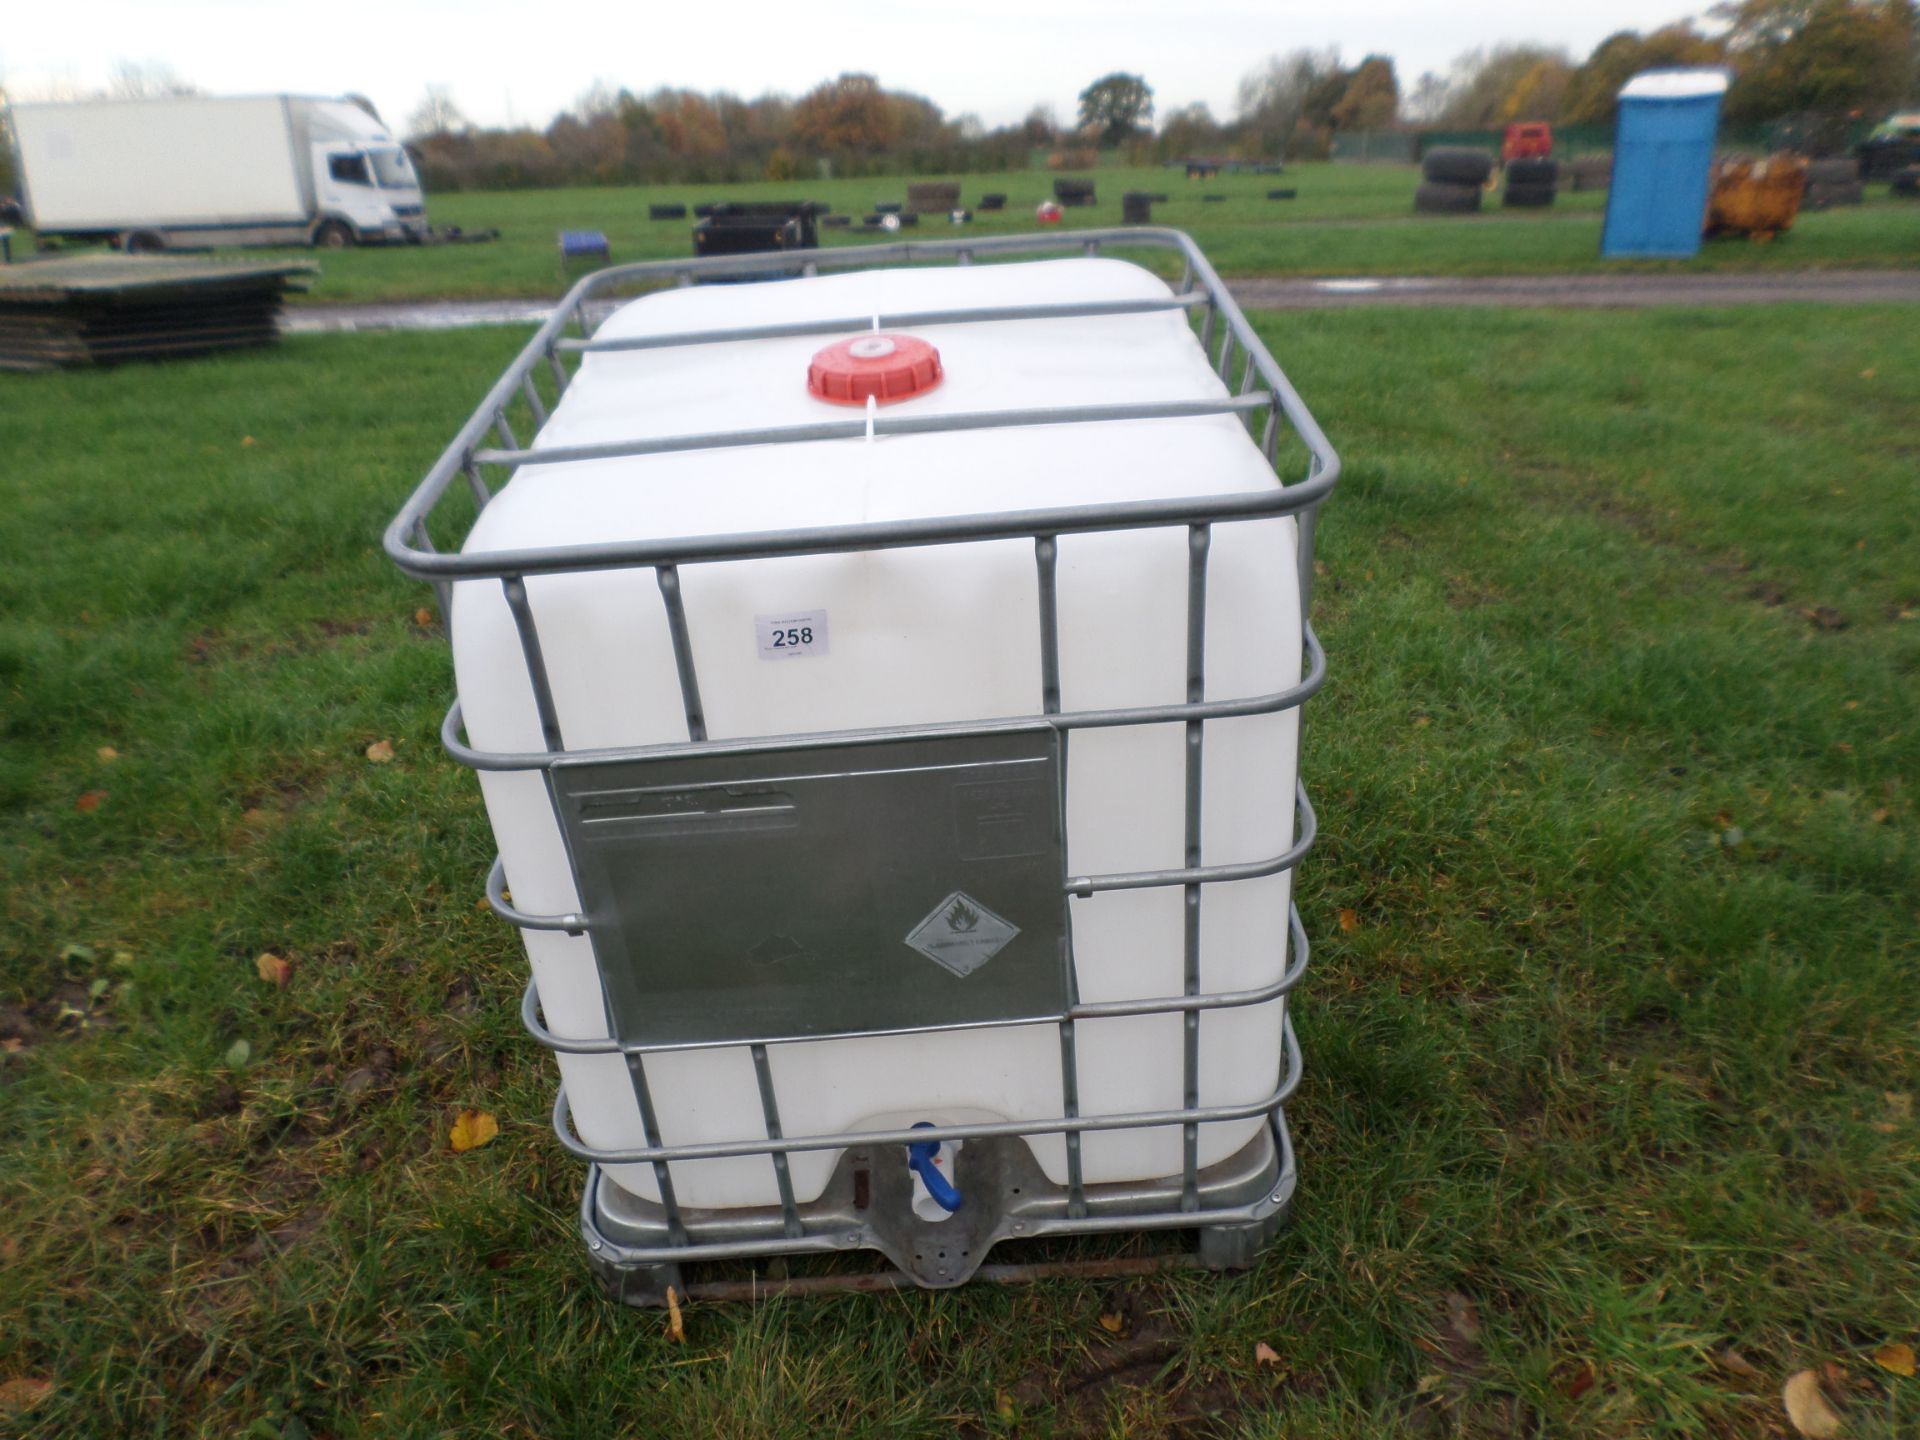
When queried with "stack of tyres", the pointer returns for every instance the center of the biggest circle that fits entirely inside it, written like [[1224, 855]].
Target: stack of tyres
[[1451, 177], [1531, 181], [1073, 192], [1907, 181], [1832, 182], [1136, 208]]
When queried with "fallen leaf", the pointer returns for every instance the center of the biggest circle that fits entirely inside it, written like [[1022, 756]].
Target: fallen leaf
[[1896, 1358], [1733, 1361], [380, 752], [1003, 1404], [1880, 816], [1579, 1382], [1807, 1407], [238, 1054], [1867, 374], [676, 1326], [1349, 922], [246, 441], [23, 1393], [13, 1045], [423, 617], [99, 987], [1113, 1324], [89, 801], [273, 968], [471, 1130], [1265, 1354], [76, 954], [1420, 722], [107, 753], [1899, 1104]]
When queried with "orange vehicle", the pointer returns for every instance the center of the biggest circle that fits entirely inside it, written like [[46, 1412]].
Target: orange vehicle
[[1525, 140]]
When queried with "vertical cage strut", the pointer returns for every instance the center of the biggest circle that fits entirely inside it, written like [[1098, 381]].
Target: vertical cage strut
[[1046, 555], [515, 587], [650, 1129], [669, 576], [534, 402], [476, 482], [1199, 543], [770, 1109]]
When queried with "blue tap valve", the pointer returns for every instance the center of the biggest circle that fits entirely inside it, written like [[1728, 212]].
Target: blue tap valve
[[920, 1160]]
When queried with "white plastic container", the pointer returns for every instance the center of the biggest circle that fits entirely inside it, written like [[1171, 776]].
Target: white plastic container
[[931, 634]]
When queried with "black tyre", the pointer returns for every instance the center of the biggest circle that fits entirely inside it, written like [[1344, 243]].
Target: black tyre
[[1440, 197], [886, 207], [1282, 194], [1533, 170], [1212, 199], [1907, 182], [333, 235], [1457, 165], [1833, 172], [1529, 197], [142, 242], [666, 212]]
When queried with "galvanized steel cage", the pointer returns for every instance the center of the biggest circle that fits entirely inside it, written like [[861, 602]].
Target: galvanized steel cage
[[638, 1246]]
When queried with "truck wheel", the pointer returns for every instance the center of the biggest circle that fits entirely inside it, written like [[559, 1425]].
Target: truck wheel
[[142, 242], [332, 235]]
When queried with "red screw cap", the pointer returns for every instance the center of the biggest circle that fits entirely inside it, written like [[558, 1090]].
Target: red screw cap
[[885, 367]]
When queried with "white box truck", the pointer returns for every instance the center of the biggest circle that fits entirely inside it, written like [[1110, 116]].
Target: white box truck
[[195, 171]]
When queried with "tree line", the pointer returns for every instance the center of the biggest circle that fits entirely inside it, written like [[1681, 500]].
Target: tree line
[[1822, 63]]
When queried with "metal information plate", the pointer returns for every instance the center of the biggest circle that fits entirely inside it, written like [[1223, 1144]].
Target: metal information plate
[[803, 891]]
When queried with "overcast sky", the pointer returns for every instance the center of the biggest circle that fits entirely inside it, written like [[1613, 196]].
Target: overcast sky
[[523, 61]]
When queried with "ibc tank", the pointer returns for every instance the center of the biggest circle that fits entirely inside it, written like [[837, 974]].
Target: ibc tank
[[893, 813]]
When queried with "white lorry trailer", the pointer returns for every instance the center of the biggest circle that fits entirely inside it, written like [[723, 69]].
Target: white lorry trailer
[[195, 171]]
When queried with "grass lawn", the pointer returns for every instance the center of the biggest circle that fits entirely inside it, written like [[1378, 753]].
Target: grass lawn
[[1347, 220], [1609, 1069]]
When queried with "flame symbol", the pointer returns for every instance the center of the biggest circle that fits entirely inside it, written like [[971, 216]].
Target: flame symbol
[[962, 917]]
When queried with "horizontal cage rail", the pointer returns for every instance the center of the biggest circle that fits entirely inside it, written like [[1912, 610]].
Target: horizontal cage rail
[[1301, 954], [451, 725], [884, 320], [1290, 1072], [407, 541], [693, 1249]]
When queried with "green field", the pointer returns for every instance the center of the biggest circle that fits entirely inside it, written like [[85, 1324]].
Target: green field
[[1347, 220], [1609, 1070]]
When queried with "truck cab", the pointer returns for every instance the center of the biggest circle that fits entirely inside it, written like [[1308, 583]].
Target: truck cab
[[1525, 140], [365, 193], [365, 188]]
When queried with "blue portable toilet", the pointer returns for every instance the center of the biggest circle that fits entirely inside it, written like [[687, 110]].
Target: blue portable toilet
[[1662, 163]]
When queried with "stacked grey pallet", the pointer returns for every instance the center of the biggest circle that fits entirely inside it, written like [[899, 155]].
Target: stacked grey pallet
[[1451, 177], [1591, 172], [1832, 182], [99, 309], [1531, 182]]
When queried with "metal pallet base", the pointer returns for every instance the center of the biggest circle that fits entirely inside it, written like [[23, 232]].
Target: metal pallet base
[[1241, 1205]]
